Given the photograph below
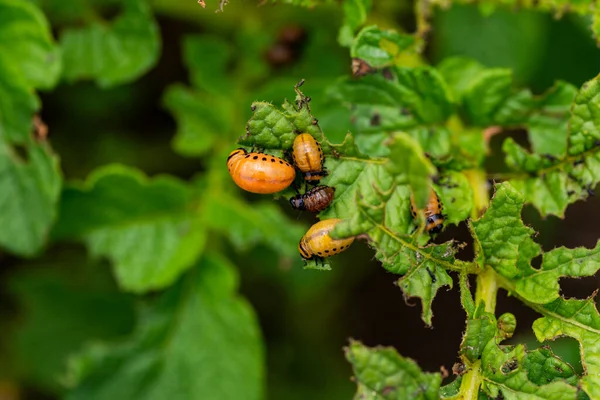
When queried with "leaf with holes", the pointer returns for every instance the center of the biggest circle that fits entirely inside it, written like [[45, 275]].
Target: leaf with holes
[[508, 248], [551, 182], [580, 320], [148, 228], [198, 339], [380, 189]]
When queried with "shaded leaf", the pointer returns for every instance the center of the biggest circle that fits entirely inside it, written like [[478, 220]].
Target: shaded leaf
[[67, 302], [198, 340]]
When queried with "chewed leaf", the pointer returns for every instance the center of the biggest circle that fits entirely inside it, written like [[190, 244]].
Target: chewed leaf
[[551, 180], [580, 320], [380, 188], [506, 374], [508, 248], [381, 373], [398, 100]]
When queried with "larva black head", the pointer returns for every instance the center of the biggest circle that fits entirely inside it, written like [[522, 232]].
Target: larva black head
[[435, 223], [297, 202], [240, 151]]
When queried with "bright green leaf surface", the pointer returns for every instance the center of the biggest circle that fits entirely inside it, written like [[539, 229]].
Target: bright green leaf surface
[[381, 373], [541, 286], [112, 53], [580, 320], [26, 41], [481, 329], [67, 302], [29, 175], [147, 228], [505, 374], [500, 231], [28, 199], [199, 340], [379, 48]]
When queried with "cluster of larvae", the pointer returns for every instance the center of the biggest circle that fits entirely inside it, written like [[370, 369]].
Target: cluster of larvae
[[257, 172]]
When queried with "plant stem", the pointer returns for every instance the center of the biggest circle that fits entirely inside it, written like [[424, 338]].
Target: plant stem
[[469, 387], [487, 289]]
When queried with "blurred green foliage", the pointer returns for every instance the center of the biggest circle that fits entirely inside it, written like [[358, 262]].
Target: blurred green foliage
[[117, 282]]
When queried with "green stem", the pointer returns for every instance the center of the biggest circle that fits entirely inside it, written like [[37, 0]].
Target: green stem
[[469, 387], [487, 289]]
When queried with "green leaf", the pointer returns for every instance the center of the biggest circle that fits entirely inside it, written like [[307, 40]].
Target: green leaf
[[553, 182], [541, 285], [505, 373], [580, 320], [30, 192], [148, 228], [112, 53], [381, 373], [501, 233], [199, 340], [410, 166], [26, 42], [380, 48], [481, 329], [67, 302], [379, 188], [198, 123], [355, 15], [408, 98], [249, 224], [456, 195], [29, 173]]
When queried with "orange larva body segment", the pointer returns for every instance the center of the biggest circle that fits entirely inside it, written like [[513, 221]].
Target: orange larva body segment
[[308, 157], [259, 173], [317, 243], [315, 200], [433, 213]]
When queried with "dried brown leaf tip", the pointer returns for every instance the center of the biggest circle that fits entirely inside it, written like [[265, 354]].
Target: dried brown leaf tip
[[40, 129], [361, 68]]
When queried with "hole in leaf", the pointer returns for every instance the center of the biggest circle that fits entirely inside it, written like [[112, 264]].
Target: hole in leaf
[[495, 162], [21, 152], [580, 288], [536, 262], [460, 234]]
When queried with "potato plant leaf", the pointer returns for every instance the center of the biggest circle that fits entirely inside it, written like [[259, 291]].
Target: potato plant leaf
[[112, 53], [68, 302], [29, 172], [381, 48], [355, 15], [381, 373], [148, 228], [198, 340], [379, 188], [508, 248], [580, 320], [552, 182]]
